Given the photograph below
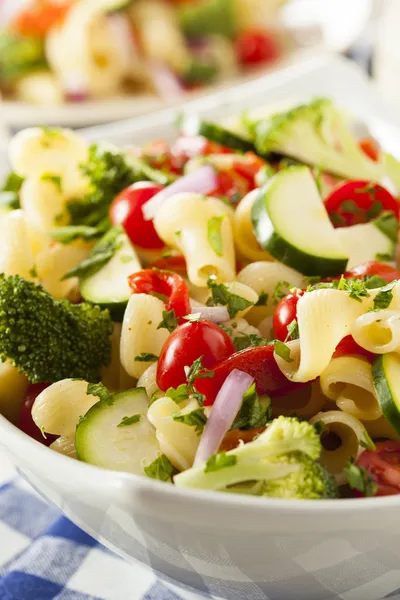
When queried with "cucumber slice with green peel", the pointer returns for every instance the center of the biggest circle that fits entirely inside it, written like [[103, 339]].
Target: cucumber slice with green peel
[[192, 125], [291, 223], [102, 440], [365, 242], [386, 376], [109, 287]]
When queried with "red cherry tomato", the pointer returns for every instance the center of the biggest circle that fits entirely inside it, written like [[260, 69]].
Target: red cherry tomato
[[374, 267], [349, 346], [185, 345], [259, 362], [126, 210], [25, 421], [383, 465], [255, 47], [171, 263], [285, 313], [168, 284], [354, 202], [190, 146], [371, 148]]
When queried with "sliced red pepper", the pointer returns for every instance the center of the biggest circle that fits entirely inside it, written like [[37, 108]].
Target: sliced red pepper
[[370, 147], [348, 346], [171, 263], [166, 283], [259, 362]]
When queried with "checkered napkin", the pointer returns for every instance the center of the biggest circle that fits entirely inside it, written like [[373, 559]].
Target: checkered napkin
[[43, 556]]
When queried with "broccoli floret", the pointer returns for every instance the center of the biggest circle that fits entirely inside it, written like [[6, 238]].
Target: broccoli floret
[[47, 339], [281, 462], [315, 134], [109, 171], [19, 55]]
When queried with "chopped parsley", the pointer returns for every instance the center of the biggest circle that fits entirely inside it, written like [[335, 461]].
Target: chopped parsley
[[101, 254], [220, 295], [243, 341], [388, 224], [375, 210], [356, 288], [253, 413], [146, 357], [374, 282], [100, 390], [193, 318], [370, 188], [178, 394], [319, 426], [33, 272], [367, 443], [351, 207], [196, 419], [126, 258], [214, 234], [161, 469], [281, 290], [359, 479], [384, 297], [55, 179], [169, 322], [220, 461], [262, 299], [130, 420], [282, 350], [69, 233], [292, 331], [197, 371]]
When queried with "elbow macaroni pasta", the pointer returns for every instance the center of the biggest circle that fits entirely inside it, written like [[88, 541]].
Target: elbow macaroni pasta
[[245, 239], [182, 222], [139, 332]]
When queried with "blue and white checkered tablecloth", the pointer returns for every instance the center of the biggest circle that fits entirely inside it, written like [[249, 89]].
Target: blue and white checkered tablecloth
[[43, 556]]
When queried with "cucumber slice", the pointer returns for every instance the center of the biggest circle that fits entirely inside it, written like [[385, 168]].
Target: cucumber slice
[[192, 125], [365, 242], [99, 441], [291, 223], [386, 376], [109, 287], [208, 17]]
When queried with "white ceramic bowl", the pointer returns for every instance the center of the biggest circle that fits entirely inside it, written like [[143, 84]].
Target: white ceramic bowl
[[233, 547]]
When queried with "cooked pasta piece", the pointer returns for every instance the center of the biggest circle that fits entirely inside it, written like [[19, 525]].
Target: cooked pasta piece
[[39, 151], [304, 403], [348, 381], [16, 256], [381, 429], [245, 239], [201, 228], [65, 444], [140, 334], [178, 441], [114, 376], [148, 380], [264, 277], [242, 290], [378, 332], [58, 408], [160, 35], [53, 262], [93, 62], [239, 327], [39, 87], [13, 386], [324, 317], [43, 203], [266, 328], [341, 438]]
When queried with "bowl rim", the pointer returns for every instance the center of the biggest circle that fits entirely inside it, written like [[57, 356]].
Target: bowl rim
[[42, 454]]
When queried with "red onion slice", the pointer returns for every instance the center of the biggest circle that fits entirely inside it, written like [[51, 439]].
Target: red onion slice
[[215, 314], [202, 181], [166, 83], [225, 408]]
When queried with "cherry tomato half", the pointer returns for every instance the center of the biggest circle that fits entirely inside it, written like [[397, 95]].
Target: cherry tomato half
[[255, 47], [370, 147], [25, 421], [259, 362], [185, 345], [348, 346], [126, 210], [285, 313], [171, 263], [374, 267], [166, 283], [383, 465], [354, 202]]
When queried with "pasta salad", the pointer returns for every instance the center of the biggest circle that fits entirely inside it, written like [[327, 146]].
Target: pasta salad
[[54, 51], [220, 313]]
